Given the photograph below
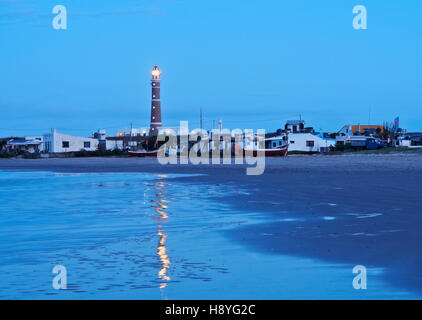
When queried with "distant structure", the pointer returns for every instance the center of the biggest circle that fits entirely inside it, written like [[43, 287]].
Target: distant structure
[[295, 126], [155, 102], [363, 129]]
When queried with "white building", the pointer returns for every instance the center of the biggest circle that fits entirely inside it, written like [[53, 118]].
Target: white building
[[107, 144], [114, 144], [412, 140], [58, 142], [310, 142]]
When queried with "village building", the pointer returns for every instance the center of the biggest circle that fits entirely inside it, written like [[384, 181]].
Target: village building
[[58, 142], [31, 144], [410, 140], [310, 142], [132, 132], [302, 139], [108, 143], [366, 129]]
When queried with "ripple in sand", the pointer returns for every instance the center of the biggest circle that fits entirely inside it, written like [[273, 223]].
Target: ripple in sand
[[289, 220], [365, 215], [328, 204]]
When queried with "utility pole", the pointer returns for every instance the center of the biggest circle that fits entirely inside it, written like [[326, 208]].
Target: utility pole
[[200, 119], [131, 129]]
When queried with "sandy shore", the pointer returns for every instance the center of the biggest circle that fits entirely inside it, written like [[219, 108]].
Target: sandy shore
[[354, 209], [351, 162]]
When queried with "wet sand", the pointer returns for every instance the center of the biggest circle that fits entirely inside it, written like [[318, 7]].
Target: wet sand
[[354, 209]]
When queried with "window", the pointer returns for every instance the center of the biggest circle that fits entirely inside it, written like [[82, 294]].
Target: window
[[274, 144], [65, 144], [292, 141], [310, 143], [87, 144]]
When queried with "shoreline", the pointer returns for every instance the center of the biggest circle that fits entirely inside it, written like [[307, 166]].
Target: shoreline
[[93, 154]]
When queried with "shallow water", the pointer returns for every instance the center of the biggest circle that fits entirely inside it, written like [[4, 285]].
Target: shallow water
[[147, 236]]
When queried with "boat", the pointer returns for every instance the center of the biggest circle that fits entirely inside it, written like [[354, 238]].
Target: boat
[[274, 147], [143, 153], [271, 152]]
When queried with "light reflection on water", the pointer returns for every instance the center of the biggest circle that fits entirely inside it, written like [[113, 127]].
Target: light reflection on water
[[161, 219], [144, 236], [110, 230]]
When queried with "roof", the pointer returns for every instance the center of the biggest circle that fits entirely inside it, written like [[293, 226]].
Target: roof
[[295, 122], [24, 142], [10, 138], [321, 135], [369, 127]]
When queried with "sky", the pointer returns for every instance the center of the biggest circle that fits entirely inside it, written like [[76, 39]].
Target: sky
[[252, 63]]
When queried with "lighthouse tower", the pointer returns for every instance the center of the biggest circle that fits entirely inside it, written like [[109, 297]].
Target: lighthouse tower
[[155, 102]]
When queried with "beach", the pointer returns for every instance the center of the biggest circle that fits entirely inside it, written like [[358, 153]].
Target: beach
[[339, 211]]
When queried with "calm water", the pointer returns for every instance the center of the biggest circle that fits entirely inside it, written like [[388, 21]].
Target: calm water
[[146, 236]]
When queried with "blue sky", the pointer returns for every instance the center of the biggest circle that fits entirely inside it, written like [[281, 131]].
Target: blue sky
[[255, 64]]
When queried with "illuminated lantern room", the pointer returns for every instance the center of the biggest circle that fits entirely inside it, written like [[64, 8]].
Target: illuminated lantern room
[[156, 73]]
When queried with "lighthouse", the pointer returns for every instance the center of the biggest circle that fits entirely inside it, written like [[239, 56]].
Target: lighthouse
[[155, 102]]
